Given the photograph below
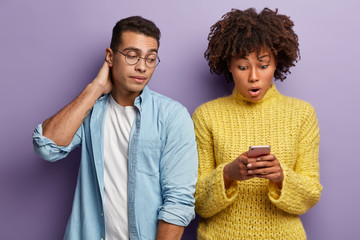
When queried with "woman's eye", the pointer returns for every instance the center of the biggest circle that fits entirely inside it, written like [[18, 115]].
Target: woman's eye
[[264, 66], [242, 68]]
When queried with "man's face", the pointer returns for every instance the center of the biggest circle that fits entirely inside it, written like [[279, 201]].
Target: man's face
[[130, 80]]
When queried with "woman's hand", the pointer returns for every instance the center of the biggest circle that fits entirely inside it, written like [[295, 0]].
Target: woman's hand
[[237, 170], [267, 167], [244, 168]]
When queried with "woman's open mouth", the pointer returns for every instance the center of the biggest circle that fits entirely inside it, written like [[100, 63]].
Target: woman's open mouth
[[254, 92]]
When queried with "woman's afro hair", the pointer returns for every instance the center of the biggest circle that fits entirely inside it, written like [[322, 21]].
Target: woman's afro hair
[[239, 33]]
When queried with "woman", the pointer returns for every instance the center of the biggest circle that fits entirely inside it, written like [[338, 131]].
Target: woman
[[239, 197]]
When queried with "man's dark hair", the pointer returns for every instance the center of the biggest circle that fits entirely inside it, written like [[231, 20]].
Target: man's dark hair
[[135, 24], [241, 32]]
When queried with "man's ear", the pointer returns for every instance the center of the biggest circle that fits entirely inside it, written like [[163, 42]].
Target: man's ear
[[109, 56]]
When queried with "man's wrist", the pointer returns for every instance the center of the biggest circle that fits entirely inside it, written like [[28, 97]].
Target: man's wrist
[[95, 88]]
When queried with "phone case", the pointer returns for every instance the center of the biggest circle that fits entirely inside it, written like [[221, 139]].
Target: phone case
[[257, 151]]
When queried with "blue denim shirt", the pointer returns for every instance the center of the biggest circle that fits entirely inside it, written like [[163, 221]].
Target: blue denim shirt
[[162, 168]]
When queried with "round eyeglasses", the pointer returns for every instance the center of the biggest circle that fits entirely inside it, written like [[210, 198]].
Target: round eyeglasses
[[133, 57]]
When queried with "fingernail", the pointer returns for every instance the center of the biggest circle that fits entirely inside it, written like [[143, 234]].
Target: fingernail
[[249, 165], [258, 159], [250, 172]]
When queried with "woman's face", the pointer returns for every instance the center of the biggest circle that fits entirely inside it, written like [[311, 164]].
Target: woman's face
[[253, 74]]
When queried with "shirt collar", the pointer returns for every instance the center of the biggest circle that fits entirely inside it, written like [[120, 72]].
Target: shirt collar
[[271, 93], [139, 100]]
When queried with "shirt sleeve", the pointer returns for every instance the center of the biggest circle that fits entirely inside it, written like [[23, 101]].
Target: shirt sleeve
[[178, 170], [301, 188], [211, 195], [50, 151]]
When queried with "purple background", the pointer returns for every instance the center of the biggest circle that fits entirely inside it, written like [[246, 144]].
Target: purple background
[[50, 50]]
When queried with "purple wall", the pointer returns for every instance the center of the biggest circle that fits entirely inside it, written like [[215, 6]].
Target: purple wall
[[49, 50]]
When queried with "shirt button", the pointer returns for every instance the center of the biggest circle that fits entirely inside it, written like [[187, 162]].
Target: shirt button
[[101, 239], [102, 214]]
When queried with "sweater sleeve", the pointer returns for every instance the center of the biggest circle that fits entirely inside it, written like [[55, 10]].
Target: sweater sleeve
[[301, 186], [211, 196]]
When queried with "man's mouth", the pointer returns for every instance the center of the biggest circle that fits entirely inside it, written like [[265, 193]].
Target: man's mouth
[[138, 78]]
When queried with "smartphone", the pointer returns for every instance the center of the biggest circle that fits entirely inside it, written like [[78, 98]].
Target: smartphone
[[257, 151]]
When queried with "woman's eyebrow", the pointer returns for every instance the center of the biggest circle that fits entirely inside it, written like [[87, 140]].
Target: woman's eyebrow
[[261, 58]]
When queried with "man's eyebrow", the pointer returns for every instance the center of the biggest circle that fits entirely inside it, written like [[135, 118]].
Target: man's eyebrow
[[139, 50]]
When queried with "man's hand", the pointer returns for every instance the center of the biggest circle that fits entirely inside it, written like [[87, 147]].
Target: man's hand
[[103, 78], [168, 231]]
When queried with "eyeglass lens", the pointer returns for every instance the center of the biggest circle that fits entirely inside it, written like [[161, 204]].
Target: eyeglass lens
[[133, 57]]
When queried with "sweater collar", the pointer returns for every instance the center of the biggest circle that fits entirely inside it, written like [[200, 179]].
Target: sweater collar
[[271, 93]]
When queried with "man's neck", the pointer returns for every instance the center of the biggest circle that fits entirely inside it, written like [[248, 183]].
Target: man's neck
[[124, 99]]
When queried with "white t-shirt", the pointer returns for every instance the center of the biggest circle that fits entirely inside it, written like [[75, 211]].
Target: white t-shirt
[[117, 129]]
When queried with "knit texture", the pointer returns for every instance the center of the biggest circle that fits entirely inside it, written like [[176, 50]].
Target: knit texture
[[256, 208]]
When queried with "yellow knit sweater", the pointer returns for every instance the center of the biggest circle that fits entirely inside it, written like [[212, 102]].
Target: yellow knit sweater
[[256, 208]]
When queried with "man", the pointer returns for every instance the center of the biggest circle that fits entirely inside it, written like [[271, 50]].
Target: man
[[138, 165]]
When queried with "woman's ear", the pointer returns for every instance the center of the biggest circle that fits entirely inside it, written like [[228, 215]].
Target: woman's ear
[[109, 56], [276, 60]]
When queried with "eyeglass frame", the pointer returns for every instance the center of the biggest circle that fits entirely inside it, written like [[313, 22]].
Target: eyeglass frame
[[145, 58]]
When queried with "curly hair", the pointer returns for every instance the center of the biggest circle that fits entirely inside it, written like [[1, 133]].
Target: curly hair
[[241, 32], [135, 24]]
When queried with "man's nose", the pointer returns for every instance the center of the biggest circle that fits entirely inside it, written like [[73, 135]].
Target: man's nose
[[141, 65]]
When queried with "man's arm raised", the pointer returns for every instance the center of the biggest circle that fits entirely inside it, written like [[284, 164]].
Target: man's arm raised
[[62, 127]]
